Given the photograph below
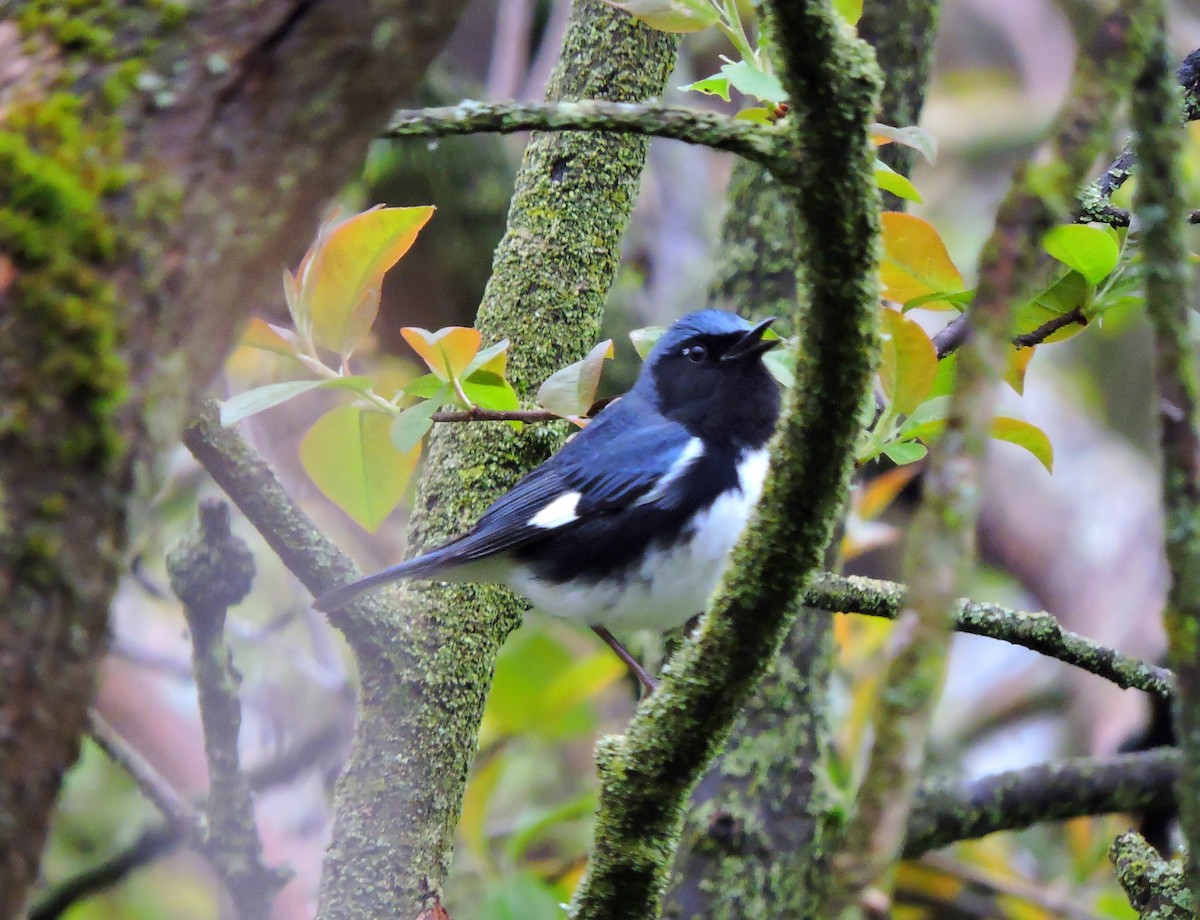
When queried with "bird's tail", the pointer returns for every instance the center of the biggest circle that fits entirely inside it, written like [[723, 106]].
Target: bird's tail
[[422, 566]]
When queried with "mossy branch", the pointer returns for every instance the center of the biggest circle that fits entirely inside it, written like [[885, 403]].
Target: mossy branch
[[693, 126], [1095, 202], [646, 776], [940, 544], [948, 811], [1160, 207], [1155, 887], [1037, 631]]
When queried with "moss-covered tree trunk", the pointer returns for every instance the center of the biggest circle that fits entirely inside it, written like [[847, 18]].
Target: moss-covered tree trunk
[[159, 161]]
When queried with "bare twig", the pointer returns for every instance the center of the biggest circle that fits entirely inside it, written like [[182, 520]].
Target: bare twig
[[181, 817], [210, 574], [1048, 328], [475, 414]]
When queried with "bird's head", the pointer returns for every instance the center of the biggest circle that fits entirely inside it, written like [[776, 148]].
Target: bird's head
[[707, 373]]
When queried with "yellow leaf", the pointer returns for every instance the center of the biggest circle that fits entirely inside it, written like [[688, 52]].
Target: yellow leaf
[[1018, 364], [448, 351], [908, 362], [883, 489], [261, 334], [348, 454], [915, 262], [341, 274]]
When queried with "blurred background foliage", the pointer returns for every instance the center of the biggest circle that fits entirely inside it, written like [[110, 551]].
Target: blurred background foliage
[[1082, 543]]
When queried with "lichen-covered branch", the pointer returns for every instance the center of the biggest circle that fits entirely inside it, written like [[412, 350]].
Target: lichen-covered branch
[[1160, 207], [646, 776], [1037, 631], [1095, 202], [694, 126], [1155, 887], [425, 683], [210, 573], [947, 811], [940, 544], [744, 853]]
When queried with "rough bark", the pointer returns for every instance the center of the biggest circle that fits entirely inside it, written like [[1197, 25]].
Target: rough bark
[[426, 672], [157, 163]]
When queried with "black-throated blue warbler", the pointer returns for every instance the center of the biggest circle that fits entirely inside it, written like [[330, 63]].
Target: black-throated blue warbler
[[630, 524]]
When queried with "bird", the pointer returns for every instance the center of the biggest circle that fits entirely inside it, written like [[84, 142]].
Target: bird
[[629, 526]]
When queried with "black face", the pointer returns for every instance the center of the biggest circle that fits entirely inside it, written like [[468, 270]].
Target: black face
[[717, 385]]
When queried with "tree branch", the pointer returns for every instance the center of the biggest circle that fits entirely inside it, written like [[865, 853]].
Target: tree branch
[[1039, 632], [1094, 201], [1155, 887], [693, 126], [1159, 206], [645, 776], [209, 574], [940, 545], [945, 812]]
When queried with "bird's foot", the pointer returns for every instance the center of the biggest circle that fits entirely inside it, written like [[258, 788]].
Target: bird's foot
[[648, 681]]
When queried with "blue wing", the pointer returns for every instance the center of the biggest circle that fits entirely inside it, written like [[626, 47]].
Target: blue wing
[[626, 453]]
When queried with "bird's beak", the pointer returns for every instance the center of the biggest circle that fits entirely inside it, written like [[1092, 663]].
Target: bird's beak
[[752, 344]]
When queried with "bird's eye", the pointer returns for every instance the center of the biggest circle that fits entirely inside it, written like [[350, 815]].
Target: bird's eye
[[695, 353]]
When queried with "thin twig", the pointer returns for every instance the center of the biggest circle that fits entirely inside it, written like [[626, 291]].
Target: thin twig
[[180, 815], [1051, 326], [475, 414]]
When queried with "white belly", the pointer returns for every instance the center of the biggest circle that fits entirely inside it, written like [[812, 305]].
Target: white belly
[[672, 584]]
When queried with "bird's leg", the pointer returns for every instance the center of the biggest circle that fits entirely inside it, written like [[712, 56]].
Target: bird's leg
[[643, 676]]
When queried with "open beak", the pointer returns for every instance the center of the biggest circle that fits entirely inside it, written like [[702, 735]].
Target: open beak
[[752, 344]]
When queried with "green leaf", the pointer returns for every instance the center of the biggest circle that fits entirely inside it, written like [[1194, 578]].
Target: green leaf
[[522, 897], [489, 356], [917, 138], [1089, 250], [645, 339], [939, 299], [571, 391], [716, 85], [243, 405], [849, 10], [752, 81], [410, 426], [943, 382], [932, 410], [429, 386], [671, 15], [756, 114], [349, 456], [903, 452], [908, 362], [891, 181], [490, 391], [1027, 435], [782, 365]]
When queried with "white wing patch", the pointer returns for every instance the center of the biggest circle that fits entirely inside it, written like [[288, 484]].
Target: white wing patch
[[559, 513], [692, 451]]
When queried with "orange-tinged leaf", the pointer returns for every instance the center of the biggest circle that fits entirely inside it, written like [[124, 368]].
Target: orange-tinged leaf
[[915, 262], [341, 276], [448, 352], [908, 362], [881, 491], [348, 454]]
